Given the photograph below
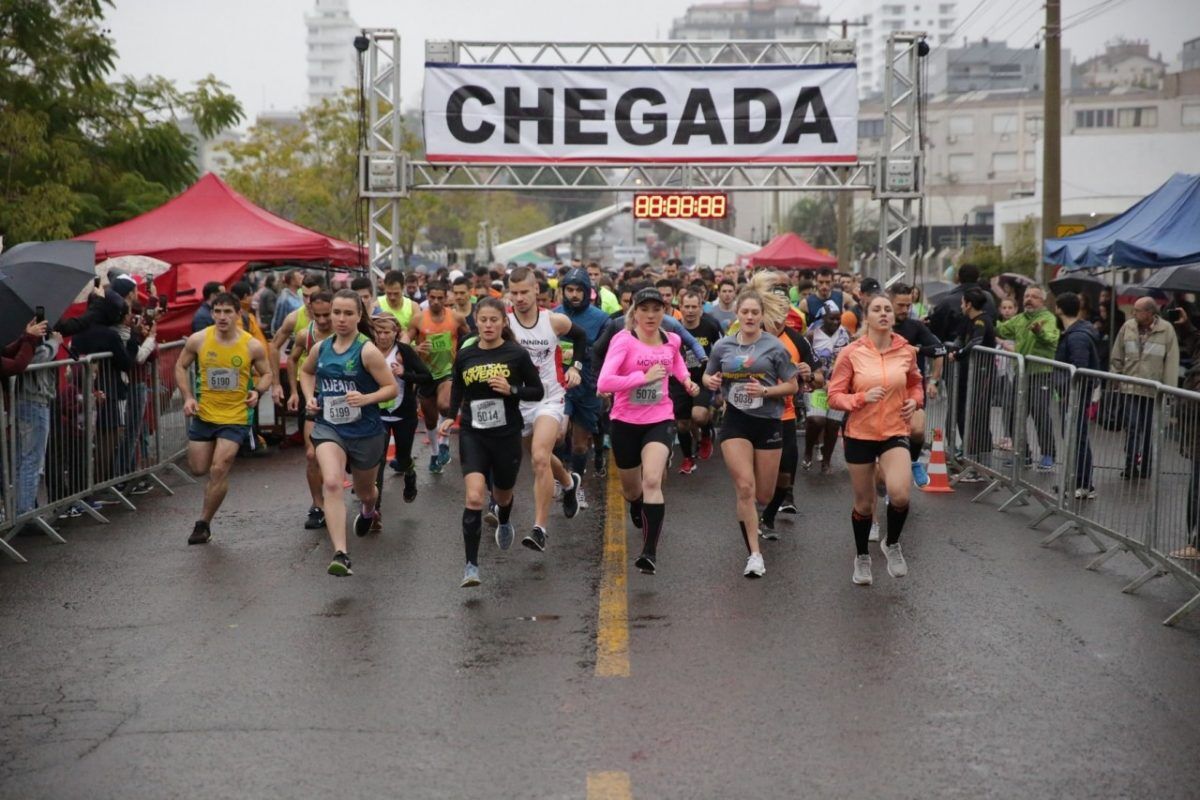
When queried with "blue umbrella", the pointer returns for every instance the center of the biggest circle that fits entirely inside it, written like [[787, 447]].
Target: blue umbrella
[[46, 274]]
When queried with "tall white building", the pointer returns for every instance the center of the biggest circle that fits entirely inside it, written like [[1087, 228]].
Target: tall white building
[[750, 19], [332, 60], [936, 18]]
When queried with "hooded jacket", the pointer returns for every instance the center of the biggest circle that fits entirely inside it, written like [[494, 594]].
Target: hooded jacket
[[859, 368], [587, 316], [1079, 346], [1041, 343]]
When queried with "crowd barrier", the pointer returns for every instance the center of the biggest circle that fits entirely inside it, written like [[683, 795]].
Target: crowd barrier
[[1117, 459], [78, 434]]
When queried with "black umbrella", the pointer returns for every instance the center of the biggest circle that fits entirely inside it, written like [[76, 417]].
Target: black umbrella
[[1079, 283], [932, 291], [46, 274], [1175, 279]]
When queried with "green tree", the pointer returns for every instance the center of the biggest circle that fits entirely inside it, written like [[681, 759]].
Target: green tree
[[815, 220], [78, 152]]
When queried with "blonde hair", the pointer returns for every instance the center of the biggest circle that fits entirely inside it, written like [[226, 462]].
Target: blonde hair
[[630, 324], [774, 307]]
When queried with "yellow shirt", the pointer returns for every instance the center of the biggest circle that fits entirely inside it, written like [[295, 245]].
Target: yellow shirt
[[403, 315], [223, 380]]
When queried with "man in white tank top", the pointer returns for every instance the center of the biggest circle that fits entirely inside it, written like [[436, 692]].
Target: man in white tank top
[[538, 331]]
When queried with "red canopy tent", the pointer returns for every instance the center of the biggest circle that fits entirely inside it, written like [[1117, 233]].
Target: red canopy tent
[[211, 222], [789, 251], [210, 232]]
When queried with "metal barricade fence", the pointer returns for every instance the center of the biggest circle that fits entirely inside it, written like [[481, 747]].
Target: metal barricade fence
[[1175, 533], [1044, 466], [939, 411], [73, 431], [993, 386]]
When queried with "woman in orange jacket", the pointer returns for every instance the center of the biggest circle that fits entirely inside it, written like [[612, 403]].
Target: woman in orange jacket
[[876, 381]]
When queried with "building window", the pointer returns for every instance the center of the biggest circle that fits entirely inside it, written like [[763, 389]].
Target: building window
[[962, 125], [1190, 114], [946, 8], [1004, 162], [1003, 124], [961, 164], [870, 129], [1033, 124], [1137, 117], [1095, 118], [1030, 161]]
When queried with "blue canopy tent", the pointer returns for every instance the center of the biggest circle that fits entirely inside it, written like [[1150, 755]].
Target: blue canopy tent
[[1160, 230]]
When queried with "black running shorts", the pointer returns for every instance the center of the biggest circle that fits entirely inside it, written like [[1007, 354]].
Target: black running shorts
[[867, 451], [498, 455], [628, 440], [762, 433]]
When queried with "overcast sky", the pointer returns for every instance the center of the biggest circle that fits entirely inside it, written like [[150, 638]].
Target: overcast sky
[[257, 46]]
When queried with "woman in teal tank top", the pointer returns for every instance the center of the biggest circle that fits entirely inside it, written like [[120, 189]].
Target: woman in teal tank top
[[343, 384]]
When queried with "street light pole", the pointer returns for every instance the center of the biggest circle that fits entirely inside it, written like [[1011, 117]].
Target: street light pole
[[1052, 131]]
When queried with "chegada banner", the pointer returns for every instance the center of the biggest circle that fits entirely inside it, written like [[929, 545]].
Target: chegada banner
[[622, 114]]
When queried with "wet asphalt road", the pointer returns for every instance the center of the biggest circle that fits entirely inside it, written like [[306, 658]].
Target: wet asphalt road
[[135, 666]]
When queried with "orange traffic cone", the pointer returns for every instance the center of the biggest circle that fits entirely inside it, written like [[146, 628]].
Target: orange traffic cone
[[939, 479]]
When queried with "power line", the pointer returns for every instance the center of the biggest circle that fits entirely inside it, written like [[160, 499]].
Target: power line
[[1097, 11]]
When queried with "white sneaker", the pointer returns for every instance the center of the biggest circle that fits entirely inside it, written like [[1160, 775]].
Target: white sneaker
[[581, 498], [896, 565], [755, 568], [873, 536], [862, 570]]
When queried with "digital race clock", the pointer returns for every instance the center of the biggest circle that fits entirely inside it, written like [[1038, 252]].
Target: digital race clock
[[674, 205]]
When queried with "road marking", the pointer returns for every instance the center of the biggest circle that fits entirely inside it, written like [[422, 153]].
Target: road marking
[[608, 786], [612, 629]]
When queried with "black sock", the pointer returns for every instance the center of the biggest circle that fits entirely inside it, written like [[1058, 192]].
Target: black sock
[[579, 462], [772, 508], [895, 522], [652, 523], [915, 446], [472, 519], [685, 444], [503, 512], [862, 532], [708, 430], [745, 536]]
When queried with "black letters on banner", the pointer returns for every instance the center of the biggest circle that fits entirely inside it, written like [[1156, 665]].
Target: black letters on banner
[[454, 114], [657, 122], [515, 114], [821, 124], [742, 98], [699, 101], [576, 114]]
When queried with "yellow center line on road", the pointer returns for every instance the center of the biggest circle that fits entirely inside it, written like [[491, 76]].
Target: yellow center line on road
[[612, 629], [608, 786]]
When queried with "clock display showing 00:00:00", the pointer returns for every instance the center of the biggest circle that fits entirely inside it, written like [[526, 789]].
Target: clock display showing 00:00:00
[[680, 206]]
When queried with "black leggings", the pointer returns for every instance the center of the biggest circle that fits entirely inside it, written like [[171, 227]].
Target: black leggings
[[791, 451], [402, 432]]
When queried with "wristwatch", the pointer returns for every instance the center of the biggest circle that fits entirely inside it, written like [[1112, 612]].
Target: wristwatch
[[577, 365]]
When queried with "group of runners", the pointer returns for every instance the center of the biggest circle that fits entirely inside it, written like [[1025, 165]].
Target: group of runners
[[689, 365]]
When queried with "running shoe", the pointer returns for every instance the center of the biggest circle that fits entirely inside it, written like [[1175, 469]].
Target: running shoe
[[897, 567], [755, 568], [862, 571], [362, 523], [444, 453], [766, 529], [788, 506], [688, 466], [410, 486], [645, 564], [200, 533], [435, 465], [492, 515], [1046, 464], [340, 566], [74, 512], [1188, 553], [316, 519], [706, 448], [806, 465], [142, 487], [535, 539], [970, 476], [470, 576], [583, 503], [1085, 493], [920, 475], [505, 535], [602, 463], [570, 497], [394, 464], [873, 536]]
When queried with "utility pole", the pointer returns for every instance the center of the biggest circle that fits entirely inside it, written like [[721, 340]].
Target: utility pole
[[845, 201], [1051, 131]]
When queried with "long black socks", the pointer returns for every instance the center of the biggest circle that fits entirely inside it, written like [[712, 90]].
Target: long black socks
[[862, 532], [772, 508], [686, 443], [472, 520], [895, 522], [635, 512], [652, 524], [503, 513], [915, 445]]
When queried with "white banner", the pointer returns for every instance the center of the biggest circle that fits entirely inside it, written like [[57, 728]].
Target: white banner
[[537, 114]]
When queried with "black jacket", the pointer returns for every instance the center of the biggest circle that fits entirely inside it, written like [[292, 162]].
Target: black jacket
[[1079, 346], [947, 320]]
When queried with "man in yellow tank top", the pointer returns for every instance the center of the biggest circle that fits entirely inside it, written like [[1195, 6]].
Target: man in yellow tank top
[[231, 370], [393, 301]]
